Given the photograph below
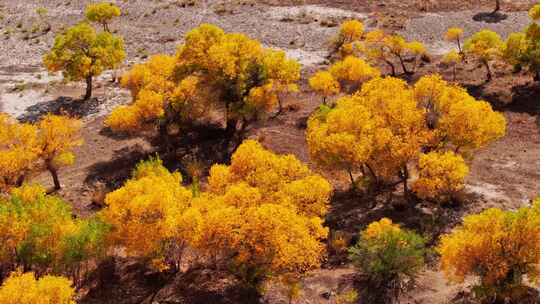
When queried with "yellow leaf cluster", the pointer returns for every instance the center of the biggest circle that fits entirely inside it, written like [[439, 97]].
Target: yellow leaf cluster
[[350, 32], [228, 70], [102, 13], [452, 57], [263, 209], [143, 213], [453, 34], [80, 52], [484, 44], [498, 246], [324, 83], [23, 288], [383, 128], [18, 150], [57, 137], [440, 174], [378, 229], [26, 148], [534, 12], [353, 69], [350, 73], [38, 230]]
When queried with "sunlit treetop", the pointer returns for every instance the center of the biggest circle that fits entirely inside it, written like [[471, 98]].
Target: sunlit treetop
[[440, 174], [452, 57], [383, 128], [484, 44], [353, 69], [81, 54], [19, 150], [144, 212], [351, 30], [230, 71], [534, 12], [453, 34], [272, 179], [492, 245], [24, 288], [102, 13], [324, 83], [58, 136]]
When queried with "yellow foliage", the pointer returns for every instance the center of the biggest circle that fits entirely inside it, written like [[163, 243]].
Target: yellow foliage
[[351, 30], [353, 69], [440, 174], [453, 34], [498, 246], [57, 137], [484, 44], [18, 150], [23, 288], [382, 129], [282, 180], [324, 83], [228, 70], [380, 228], [25, 148], [276, 237], [80, 52], [452, 57], [471, 124], [144, 212], [102, 13], [534, 12], [263, 210]]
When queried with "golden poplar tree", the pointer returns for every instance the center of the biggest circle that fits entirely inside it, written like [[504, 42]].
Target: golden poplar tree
[[499, 247], [102, 13], [82, 54], [24, 288], [212, 69], [381, 132]]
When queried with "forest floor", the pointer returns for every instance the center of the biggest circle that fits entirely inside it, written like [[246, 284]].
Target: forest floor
[[505, 174]]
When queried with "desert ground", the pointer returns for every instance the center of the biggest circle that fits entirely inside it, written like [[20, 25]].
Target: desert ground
[[505, 175]]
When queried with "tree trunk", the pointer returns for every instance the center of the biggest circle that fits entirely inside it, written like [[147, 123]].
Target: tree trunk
[[88, 93], [280, 108], [486, 64], [459, 46], [353, 182], [21, 179], [392, 67], [497, 7], [54, 174], [403, 65]]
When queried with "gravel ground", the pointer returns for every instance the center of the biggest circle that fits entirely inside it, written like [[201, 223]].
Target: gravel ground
[[150, 27]]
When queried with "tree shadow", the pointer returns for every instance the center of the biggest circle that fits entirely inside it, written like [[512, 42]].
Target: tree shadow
[[61, 106], [353, 212], [127, 281], [525, 99], [113, 173], [490, 17], [122, 281]]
